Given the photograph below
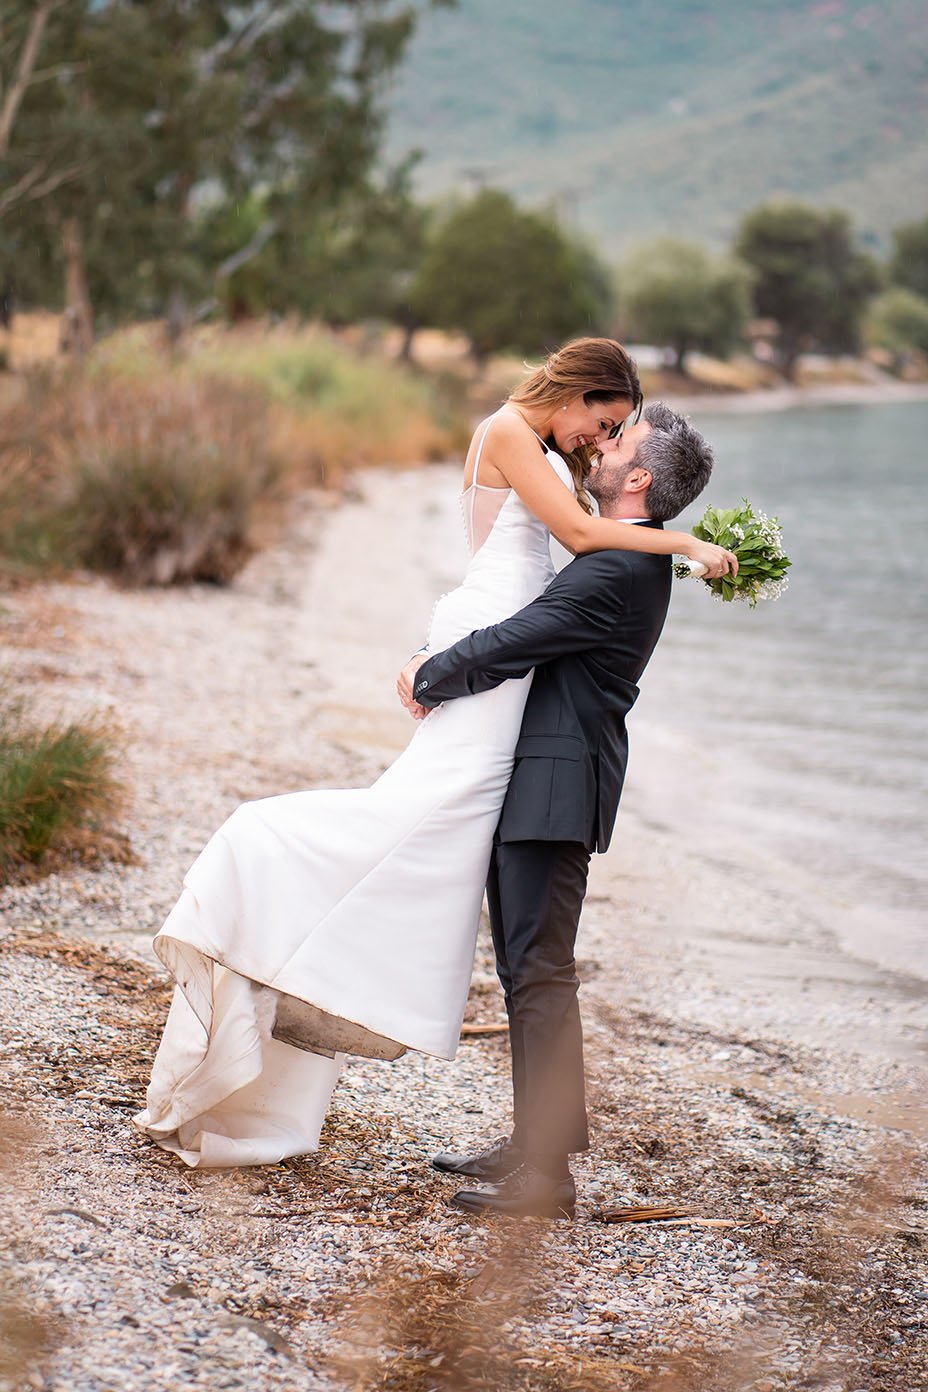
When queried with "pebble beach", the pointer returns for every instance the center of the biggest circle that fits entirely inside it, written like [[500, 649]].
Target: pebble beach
[[768, 1090]]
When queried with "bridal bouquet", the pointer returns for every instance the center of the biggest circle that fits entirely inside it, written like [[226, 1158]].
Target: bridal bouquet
[[756, 540]]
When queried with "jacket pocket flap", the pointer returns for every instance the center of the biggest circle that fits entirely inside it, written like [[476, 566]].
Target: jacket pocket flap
[[549, 747]]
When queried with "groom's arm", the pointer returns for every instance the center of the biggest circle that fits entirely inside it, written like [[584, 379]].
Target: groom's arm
[[579, 609]]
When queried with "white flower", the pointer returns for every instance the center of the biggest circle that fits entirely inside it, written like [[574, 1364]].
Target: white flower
[[772, 589]]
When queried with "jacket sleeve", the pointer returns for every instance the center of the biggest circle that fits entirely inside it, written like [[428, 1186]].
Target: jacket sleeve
[[578, 610]]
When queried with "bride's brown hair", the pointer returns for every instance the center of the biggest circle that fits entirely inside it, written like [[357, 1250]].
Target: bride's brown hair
[[599, 370]]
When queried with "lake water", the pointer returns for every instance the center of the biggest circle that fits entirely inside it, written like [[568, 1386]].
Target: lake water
[[816, 705]]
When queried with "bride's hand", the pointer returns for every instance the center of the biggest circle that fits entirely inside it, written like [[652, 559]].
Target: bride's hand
[[716, 559], [405, 682]]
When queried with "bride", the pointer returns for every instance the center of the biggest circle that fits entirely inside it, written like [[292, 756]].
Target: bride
[[328, 921]]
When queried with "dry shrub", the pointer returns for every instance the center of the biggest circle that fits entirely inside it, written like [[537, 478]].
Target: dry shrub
[[157, 469], [322, 447], [58, 789], [33, 481], [337, 408], [166, 477], [155, 481], [15, 500]]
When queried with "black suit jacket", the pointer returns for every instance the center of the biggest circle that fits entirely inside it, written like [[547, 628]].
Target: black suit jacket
[[589, 637]]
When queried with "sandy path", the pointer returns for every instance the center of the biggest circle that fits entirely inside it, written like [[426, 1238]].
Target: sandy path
[[746, 1068]]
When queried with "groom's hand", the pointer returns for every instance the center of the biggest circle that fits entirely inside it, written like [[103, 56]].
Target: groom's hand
[[404, 685]]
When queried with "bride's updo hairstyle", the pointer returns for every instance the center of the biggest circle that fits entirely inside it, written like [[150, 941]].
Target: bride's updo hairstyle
[[599, 370]]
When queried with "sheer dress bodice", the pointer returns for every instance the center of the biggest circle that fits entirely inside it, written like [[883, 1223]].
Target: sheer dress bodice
[[510, 555]]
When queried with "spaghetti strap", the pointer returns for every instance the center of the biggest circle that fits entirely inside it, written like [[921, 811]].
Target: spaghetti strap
[[483, 440]]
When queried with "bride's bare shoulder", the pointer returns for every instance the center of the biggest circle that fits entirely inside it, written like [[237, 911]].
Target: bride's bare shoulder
[[496, 440], [504, 426]]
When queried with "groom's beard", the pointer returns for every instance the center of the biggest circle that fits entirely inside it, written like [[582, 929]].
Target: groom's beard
[[606, 485]]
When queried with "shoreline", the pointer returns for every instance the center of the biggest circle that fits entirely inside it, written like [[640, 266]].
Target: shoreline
[[788, 398]]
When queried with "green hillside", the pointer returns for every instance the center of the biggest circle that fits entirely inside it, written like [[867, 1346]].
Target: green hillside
[[657, 116]]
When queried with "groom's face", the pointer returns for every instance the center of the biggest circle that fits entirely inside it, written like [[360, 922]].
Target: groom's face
[[608, 479]]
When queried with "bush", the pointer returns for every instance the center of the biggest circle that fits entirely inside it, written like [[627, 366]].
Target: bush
[[155, 481], [337, 408], [157, 470], [57, 788], [32, 479], [166, 477]]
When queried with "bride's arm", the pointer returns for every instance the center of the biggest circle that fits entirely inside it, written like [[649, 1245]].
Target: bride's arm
[[518, 458]]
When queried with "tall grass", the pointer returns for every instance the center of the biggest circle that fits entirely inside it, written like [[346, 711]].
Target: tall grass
[[155, 481], [33, 430], [334, 407], [166, 477], [311, 368], [58, 788], [158, 469]]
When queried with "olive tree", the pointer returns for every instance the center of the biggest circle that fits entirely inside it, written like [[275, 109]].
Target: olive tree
[[508, 277], [675, 295]]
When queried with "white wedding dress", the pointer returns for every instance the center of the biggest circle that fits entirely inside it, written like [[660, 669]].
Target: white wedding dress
[[364, 902]]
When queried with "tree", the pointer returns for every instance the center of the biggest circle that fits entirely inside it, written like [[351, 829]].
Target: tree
[[353, 261], [897, 322], [909, 264], [122, 118], [677, 295], [808, 276], [508, 278], [366, 266]]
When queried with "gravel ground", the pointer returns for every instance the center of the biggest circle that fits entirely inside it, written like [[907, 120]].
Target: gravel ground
[[799, 1151]]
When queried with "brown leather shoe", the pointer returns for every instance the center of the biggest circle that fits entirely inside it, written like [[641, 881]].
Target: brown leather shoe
[[496, 1162], [526, 1193]]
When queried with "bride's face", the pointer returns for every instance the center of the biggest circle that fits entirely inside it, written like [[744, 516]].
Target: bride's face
[[577, 424]]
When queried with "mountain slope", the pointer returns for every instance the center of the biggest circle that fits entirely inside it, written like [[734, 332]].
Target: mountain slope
[[659, 116]]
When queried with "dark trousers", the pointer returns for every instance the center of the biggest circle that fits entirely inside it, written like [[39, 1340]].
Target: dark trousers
[[535, 892]]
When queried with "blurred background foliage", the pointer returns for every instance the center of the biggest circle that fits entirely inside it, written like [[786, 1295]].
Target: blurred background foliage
[[148, 137], [226, 163]]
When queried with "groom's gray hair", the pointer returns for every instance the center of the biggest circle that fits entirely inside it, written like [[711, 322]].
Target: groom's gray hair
[[678, 459]]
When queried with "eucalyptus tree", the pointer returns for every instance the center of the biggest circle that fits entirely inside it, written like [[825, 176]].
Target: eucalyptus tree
[[124, 122]]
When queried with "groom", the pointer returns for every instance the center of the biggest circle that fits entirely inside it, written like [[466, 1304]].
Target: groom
[[589, 637]]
